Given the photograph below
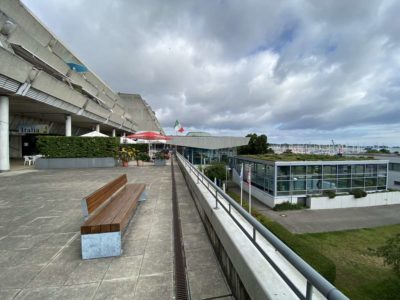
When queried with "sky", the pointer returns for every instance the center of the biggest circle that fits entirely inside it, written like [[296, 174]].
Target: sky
[[297, 71]]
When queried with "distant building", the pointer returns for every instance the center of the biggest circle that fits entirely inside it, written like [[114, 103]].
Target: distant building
[[276, 181], [202, 148]]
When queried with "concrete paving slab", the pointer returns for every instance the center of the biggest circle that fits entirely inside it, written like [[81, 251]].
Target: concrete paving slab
[[17, 277], [116, 289], [159, 286], [40, 255], [124, 268], [8, 294]]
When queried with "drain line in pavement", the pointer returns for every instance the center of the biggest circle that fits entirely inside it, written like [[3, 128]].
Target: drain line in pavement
[[181, 279]]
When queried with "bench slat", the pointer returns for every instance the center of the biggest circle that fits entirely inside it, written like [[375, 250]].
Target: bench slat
[[97, 198], [116, 214]]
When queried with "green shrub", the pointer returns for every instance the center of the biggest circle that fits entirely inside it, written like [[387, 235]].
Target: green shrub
[[321, 263], [288, 206], [329, 193], [72, 147], [143, 156], [140, 147], [215, 171], [358, 193], [391, 253]]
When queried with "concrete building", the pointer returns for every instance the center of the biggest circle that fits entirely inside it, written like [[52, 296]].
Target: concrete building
[[277, 181], [202, 148], [46, 89]]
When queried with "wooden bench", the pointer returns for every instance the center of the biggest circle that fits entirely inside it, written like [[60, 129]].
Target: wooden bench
[[107, 212]]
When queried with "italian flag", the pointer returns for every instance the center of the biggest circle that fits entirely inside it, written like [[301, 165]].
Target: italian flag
[[178, 127]]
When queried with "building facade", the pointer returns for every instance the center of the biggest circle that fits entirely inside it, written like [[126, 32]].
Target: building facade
[[293, 181], [46, 89]]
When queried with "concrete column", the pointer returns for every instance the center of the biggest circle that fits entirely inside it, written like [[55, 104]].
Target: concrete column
[[98, 127], [113, 133], [4, 134], [68, 125]]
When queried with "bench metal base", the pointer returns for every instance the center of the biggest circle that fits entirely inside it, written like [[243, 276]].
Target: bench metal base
[[101, 245]]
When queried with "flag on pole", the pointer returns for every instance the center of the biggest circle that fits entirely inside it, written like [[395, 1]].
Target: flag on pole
[[178, 127], [249, 176]]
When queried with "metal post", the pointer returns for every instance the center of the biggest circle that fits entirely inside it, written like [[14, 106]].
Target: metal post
[[216, 199], [309, 291]]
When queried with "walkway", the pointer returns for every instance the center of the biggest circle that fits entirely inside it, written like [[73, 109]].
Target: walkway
[[40, 218], [324, 220]]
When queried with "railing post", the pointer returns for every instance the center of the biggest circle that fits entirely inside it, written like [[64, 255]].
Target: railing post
[[309, 291], [216, 199], [254, 234]]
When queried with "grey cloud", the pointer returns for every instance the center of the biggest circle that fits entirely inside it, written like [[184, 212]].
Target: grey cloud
[[235, 67]]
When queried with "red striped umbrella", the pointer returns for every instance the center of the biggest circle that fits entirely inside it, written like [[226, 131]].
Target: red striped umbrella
[[148, 135]]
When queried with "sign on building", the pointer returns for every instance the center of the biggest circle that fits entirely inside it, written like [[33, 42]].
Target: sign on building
[[38, 128]]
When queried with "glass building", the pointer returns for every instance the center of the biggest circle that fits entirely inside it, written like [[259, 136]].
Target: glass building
[[302, 178]]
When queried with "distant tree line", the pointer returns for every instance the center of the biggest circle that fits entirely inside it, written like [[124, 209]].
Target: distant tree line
[[258, 144]]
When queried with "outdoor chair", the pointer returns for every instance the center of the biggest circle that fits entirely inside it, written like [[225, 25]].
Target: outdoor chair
[[28, 160]]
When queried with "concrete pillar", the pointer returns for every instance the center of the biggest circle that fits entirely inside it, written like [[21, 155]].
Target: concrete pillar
[[4, 134], [68, 125], [113, 133], [98, 127]]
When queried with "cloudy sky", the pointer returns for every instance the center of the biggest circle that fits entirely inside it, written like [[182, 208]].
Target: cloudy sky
[[298, 71]]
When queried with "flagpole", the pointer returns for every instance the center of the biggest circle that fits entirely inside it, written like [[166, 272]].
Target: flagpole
[[249, 177], [241, 186]]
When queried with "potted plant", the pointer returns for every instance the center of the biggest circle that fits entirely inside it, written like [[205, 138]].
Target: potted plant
[[142, 157], [126, 154], [159, 159]]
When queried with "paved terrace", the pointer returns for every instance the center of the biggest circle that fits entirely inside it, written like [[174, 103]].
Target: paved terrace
[[40, 218]]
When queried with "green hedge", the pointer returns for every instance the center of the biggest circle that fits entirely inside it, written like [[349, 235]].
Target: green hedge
[[322, 264], [144, 148], [288, 206], [69, 147]]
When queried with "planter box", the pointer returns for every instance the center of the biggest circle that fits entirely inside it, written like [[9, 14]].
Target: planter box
[[160, 162], [75, 163]]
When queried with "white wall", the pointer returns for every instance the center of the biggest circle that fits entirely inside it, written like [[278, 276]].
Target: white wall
[[345, 201]]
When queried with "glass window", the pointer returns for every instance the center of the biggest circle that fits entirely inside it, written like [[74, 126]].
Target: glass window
[[370, 182], [357, 182], [370, 170], [394, 167], [299, 170], [314, 170], [299, 184], [358, 169], [314, 185], [382, 169], [382, 181], [344, 169], [283, 186], [344, 183], [284, 171], [330, 170]]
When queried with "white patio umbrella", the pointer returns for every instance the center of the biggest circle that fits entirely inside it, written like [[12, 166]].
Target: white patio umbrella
[[94, 134]]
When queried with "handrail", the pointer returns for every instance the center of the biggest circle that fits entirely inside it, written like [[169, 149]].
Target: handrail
[[314, 279]]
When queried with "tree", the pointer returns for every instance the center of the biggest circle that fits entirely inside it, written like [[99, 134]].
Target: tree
[[391, 253], [216, 171], [256, 145]]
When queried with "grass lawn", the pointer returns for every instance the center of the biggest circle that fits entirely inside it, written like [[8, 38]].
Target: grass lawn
[[359, 275]]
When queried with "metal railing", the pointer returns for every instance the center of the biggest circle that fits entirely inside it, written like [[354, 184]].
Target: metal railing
[[313, 278]]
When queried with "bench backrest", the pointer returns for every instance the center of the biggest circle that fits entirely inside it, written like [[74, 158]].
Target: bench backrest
[[97, 198]]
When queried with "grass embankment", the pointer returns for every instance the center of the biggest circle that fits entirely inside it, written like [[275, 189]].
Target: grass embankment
[[310, 254], [344, 258]]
